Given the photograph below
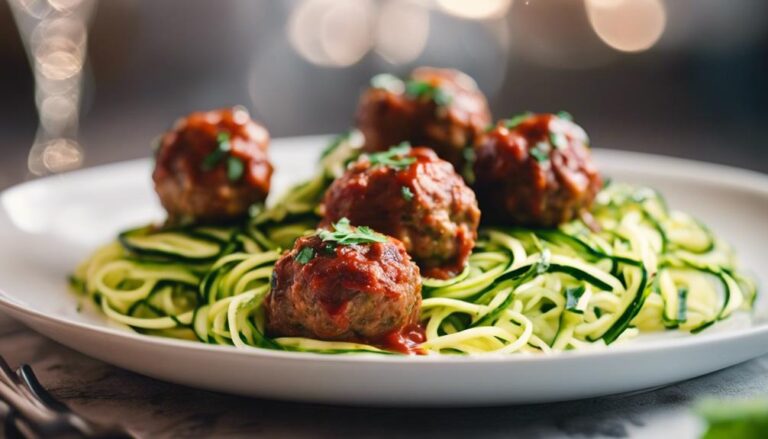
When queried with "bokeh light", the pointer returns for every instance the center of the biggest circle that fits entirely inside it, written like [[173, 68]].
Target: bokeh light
[[55, 155], [33, 8], [57, 113], [55, 35], [65, 5], [402, 30], [475, 9], [346, 31], [627, 25], [57, 64], [333, 33]]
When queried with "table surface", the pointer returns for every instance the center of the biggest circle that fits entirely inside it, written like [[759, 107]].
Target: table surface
[[152, 408]]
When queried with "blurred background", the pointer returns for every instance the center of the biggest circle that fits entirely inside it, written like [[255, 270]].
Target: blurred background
[[85, 82]]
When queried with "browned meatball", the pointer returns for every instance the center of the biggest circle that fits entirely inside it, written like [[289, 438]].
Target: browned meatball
[[439, 108], [412, 195], [212, 166], [367, 292], [535, 170]]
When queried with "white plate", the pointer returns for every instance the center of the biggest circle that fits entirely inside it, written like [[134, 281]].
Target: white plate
[[47, 226]]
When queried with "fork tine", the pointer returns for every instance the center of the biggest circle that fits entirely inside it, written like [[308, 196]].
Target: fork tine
[[7, 375], [12, 380], [82, 425], [29, 378], [25, 416], [32, 410]]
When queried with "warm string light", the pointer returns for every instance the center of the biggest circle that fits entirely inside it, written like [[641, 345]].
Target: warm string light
[[338, 33], [55, 35], [627, 25], [333, 33], [402, 30], [476, 9]]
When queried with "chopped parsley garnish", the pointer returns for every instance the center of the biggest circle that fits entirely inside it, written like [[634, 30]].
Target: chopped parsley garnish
[[572, 297], [558, 140], [539, 152], [514, 121], [222, 148], [564, 115], [390, 83], [468, 171], [423, 89], [235, 168], [396, 157], [490, 127], [305, 255], [344, 234], [405, 191], [543, 265]]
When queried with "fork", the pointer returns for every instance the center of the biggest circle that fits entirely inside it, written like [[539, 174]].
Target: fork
[[30, 411]]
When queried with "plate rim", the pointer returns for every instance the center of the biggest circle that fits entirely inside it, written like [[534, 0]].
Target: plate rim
[[655, 164], [659, 346]]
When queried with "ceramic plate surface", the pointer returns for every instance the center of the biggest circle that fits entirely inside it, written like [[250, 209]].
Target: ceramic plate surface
[[49, 225]]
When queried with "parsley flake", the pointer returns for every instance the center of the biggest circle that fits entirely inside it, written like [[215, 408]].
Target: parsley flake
[[543, 265], [564, 115], [539, 152], [305, 255], [558, 140], [572, 297], [390, 83], [514, 121], [468, 171], [235, 168], [222, 148], [213, 159], [423, 89], [344, 234], [405, 191], [441, 97], [395, 158]]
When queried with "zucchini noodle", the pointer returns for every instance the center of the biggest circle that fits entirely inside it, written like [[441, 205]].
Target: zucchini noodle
[[634, 266]]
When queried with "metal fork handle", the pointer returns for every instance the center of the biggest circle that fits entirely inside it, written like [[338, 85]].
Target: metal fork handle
[[34, 412], [81, 424], [29, 415]]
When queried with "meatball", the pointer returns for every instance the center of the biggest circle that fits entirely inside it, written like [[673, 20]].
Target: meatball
[[414, 196], [535, 170], [439, 108], [212, 166], [367, 292]]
